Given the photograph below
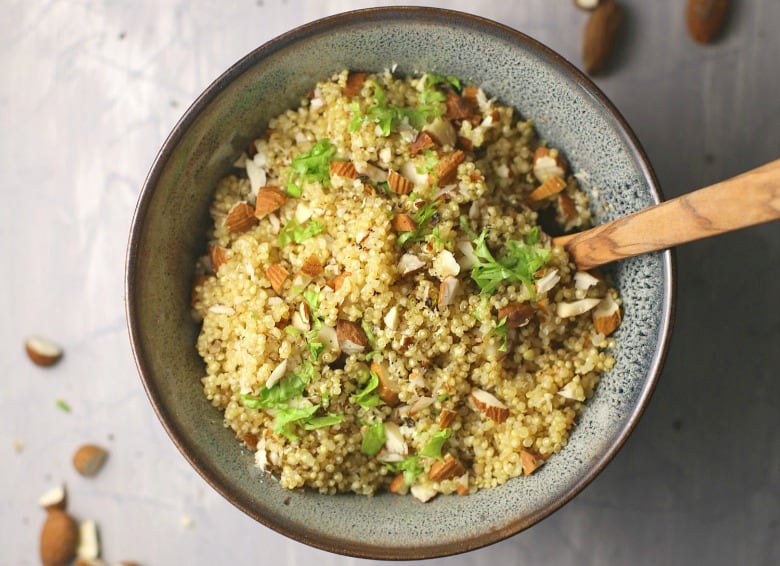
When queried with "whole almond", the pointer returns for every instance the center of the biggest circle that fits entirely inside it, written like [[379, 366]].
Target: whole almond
[[41, 351], [59, 538], [705, 18], [89, 459], [600, 37]]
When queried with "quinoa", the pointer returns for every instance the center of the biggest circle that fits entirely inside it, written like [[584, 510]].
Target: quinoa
[[388, 313]]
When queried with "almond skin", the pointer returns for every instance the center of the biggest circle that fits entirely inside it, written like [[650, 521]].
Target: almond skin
[[403, 223], [59, 538], [705, 19], [352, 338], [240, 218], [516, 314], [446, 469], [529, 462], [488, 404], [458, 107], [218, 256], [277, 275], [354, 84], [269, 199], [399, 184], [344, 169], [423, 141], [89, 459], [337, 282], [600, 36], [550, 187], [312, 266], [446, 170]]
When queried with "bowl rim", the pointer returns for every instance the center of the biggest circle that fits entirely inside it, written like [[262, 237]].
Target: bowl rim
[[207, 471]]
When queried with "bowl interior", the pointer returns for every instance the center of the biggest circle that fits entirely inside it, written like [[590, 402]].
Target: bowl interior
[[169, 233]]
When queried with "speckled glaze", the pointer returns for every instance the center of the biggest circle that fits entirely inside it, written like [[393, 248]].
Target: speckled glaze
[[172, 217]]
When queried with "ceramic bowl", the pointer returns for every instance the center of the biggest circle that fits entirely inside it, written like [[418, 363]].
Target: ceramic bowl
[[168, 233]]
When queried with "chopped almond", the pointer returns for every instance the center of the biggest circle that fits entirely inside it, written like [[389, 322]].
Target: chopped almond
[[391, 318], [399, 184], [398, 485], [250, 440], [241, 217], [548, 163], [446, 169], [337, 282], [423, 493], [446, 417], [387, 390], [446, 469], [277, 275], [465, 143], [441, 131], [352, 338], [344, 169], [516, 314], [448, 288], [354, 84], [567, 206], [409, 264], [470, 93], [462, 485], [551, 186], [606, 316], [269, 199], [312, 266], [488, 404], [218, 256], [576, 308], [403, 223], [459, 107], [530, 462], [423, 141]]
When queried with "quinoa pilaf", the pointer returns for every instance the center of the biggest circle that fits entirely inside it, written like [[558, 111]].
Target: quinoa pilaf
[[380, 309]]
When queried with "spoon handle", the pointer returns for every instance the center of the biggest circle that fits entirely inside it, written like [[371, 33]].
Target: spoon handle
[[745, 200]]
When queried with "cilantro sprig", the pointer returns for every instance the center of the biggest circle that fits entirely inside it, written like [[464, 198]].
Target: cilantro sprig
[[311, 166], [519, 262]]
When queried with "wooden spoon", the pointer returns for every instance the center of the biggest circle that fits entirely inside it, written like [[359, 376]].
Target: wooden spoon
[[745, 200]]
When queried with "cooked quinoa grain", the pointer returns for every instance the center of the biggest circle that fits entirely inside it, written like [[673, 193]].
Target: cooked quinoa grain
[[392, 316]]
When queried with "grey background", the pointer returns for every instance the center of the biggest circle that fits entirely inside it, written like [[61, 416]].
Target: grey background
[[90, 89]]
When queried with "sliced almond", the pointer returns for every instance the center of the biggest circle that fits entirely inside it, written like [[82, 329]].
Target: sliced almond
[[277, 374], [446, 169], [269, 199], [300, 319], [446, 469], [240, 218], [394, 442], [516, 314], [448, 289], [529, 461], [420, 404], [547, 163], [391, 319], [444, 265], [399, 184], [398, 485], [442, 132], [446, 418], [547, 281], [388, 390], [489, 405], [59, 538], [423, 141], [606, 316], [576, 308], [352, 338], [344, 169], [89, 543], [218, 256], [303, 212], [410, 264], [312, 266], [337, 282], [54, 498], [423, 493], [584, 280], [552, 186], [41, 351], [354, 84], [89, 459], [403, 223], [459, 107], [277, 275]]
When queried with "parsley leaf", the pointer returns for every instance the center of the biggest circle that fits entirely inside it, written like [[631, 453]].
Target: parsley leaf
[[288, 415], [421, 218], [321, 422], [368, 397], [389, 116], [502, 330], [373, 438], [433, 79], [276, 396], [410, 467], [295, 232], [436, 443], [519, 263], [312, 166]]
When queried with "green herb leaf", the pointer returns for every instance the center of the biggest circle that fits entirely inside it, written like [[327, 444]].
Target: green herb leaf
[[432, 79], [421, 218], [321, 422], [62, 406], [519, 263], [312, 166], [389, 116], [410, 467], [436, 443], [313, 300], [373, 438], [289, 387], [288, 415], [369, 333], [367, 397], [294, 232], [502, 330]]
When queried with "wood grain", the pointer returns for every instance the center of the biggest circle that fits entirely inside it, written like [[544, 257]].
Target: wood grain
[[745, 200]]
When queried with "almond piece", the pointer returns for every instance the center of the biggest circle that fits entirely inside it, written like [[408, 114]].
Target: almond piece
[[446, 169], [54, 498], [240, 218], [395, 443], [459, 107], [269, 199], [423, 493], [552, 186], [600, 36], [488, 404], [388, 391], [312, 266], [399, 184], [398, 485], [448, 288], [352, 338], [277, 275], [218, 256], [344, 169], [446, 469], [59, 538], [548, 163], [516, 314], [423, 141], [462, 485], [89, 459], [354, 84], [529, 461], [89, 544], [567, 207], [606, 316], [403, 223], [576, 308], [276, 375], [392, 319], [584, 280], [446, 417], [588, 5], [465, 143], [441, 131], [410, 264], [41, 351], [337, 282], [705, 18]]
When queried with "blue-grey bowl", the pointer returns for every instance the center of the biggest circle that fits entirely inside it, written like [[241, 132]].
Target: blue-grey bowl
[[168, 233]]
